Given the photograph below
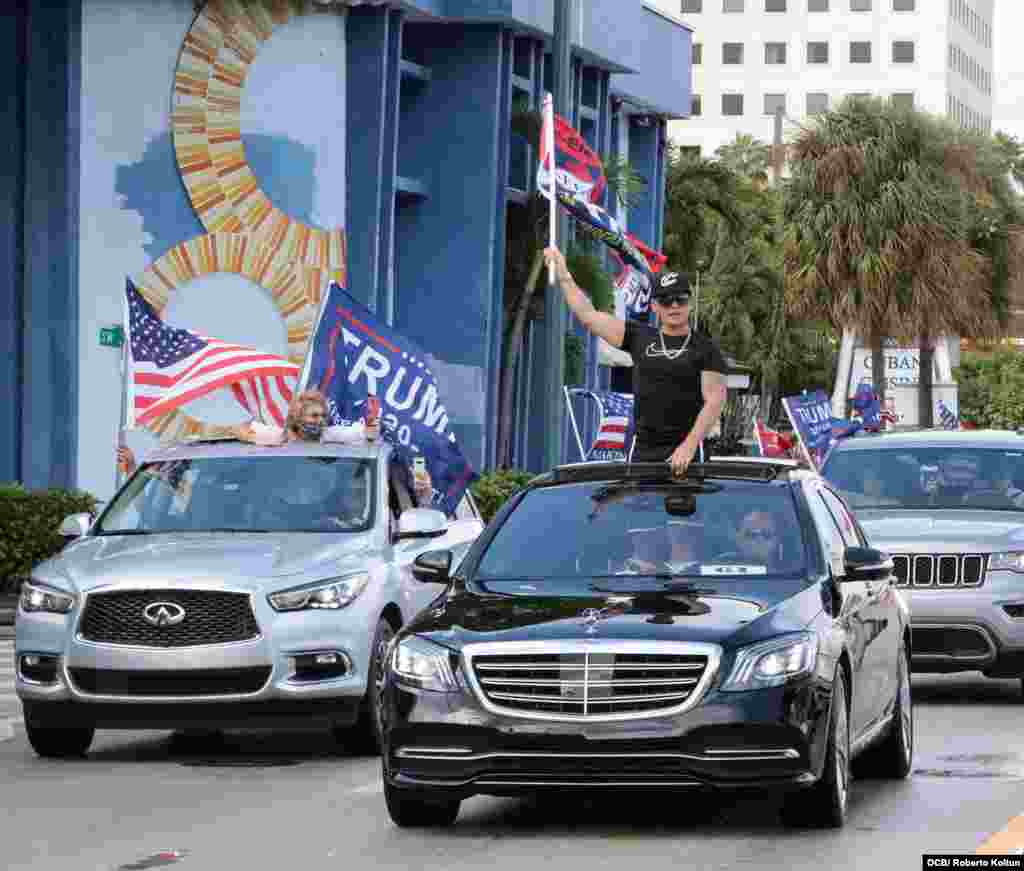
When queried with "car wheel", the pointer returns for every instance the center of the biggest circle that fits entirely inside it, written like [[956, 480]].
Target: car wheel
[[824, 804], [412, 810], [367, 735], [894, 757], [56, 743]]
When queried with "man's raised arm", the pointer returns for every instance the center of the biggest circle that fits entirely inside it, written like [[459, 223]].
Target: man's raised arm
[[608, 327]]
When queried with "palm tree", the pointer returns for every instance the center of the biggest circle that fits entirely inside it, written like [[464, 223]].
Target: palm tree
[[899, 224], [745, 155]]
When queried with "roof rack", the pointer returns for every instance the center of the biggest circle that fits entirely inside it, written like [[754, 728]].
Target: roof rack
[[660, 473]]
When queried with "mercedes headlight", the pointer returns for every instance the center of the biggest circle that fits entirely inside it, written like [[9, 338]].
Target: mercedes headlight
[[39, 597], [1013, 561], [423, 664], [330, 595], [773, 663]]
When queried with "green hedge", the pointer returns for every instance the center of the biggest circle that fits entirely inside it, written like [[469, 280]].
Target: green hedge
[[493, 489], [991, 389], [29, 521]]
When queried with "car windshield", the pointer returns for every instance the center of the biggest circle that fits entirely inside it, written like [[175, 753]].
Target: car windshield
[[245, 494], [590, 530], [929, 477]]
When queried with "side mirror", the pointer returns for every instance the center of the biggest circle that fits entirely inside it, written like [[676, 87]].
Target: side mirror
[[75, 525], [433, 566], [867, 564], [421, 523]]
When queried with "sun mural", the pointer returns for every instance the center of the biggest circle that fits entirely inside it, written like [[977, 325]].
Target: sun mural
[[247, 234]]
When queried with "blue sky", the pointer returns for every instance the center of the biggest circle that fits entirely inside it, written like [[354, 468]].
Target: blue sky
[[1008, 112]]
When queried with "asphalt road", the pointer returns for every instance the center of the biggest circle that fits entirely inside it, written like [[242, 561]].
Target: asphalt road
[[296, 801]]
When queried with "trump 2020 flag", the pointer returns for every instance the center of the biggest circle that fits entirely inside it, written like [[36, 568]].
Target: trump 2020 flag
[[614, 430], [634, 287], [577, 174], [353, 355]]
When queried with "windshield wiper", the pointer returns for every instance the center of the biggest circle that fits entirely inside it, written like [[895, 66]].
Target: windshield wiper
[[670, 584], [231, 529], [126, 532]]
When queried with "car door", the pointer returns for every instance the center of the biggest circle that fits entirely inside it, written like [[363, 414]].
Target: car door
[[879, 647], [852, 614], [881, 615]]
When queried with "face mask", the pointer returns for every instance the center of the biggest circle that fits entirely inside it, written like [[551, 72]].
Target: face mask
[[311, 431]]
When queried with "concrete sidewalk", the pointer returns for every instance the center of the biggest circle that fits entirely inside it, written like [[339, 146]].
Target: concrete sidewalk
[[8, 605]]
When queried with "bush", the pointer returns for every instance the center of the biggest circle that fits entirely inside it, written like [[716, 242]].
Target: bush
[[991, 389], [29, 521], [493, 489]]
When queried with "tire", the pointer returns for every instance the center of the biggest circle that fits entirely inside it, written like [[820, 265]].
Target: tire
[[893, 759], [57, 743], [366, 736], [409, 810], [824, 805]]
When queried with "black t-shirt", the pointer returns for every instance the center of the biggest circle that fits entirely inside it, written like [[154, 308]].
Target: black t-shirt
[[667, 393]]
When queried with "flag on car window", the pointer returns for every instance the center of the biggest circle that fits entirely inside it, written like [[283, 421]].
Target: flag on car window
[[351, 355], [169, 367], [577, 174], [614, 428]]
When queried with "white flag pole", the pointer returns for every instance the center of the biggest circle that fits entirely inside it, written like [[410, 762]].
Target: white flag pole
[[549, 147], [308, 361]]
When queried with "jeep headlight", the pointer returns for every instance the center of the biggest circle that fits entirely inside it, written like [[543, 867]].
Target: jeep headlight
[[330, 595], [36, 597], [1011, 561], [422, 664], [773, 663]]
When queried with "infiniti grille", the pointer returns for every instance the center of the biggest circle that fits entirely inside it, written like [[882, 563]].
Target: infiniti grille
[[211, 617]]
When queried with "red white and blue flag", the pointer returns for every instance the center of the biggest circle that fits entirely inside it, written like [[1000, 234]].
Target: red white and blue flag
[[170, 367], [573, 168], [613, 429], [948, 418]]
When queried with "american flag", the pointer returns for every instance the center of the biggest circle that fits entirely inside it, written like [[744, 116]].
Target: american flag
[[947, 417], [170, 367], [616, 413]]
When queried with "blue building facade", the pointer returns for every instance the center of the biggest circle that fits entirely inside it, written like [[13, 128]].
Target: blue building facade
[[432, 169]]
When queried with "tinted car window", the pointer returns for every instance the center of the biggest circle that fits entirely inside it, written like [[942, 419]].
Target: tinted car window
[[593, 530], [272, 494], [928, 477]]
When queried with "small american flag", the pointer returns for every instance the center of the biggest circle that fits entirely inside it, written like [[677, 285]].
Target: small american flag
[[616, 413], [170, 367], [947, 418]]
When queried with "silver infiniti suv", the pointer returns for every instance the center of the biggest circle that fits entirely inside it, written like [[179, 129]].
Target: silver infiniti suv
[[948, 506], [228, 585]]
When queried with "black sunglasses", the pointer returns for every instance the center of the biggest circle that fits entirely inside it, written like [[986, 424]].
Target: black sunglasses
[[677, 299]]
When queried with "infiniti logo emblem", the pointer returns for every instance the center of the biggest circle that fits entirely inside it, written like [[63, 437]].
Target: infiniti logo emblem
[[163, 613]]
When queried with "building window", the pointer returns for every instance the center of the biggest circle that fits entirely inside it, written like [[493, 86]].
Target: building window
[[775, 52], [902, 52], [817, 52], [860, 5], [817, 5], [860, 52], [904, 5], [697, 54], [732, 53], [774, 5], [902, 101], [774, 103], [691, 6], [733, 6], [817, 103], [732, 104], [695, 106]]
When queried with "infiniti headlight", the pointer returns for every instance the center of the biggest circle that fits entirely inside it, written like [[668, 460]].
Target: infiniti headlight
[[38, 597], [1012, 561], [772, 663], [422, 664], [331, 594]]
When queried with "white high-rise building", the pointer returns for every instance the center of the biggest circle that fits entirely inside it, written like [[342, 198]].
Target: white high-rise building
[[751, 56]]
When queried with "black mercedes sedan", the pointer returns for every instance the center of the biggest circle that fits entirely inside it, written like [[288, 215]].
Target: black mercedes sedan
[[617, 628]]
